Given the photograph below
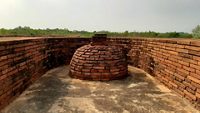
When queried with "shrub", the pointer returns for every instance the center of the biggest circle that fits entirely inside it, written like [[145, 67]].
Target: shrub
[[196, 32]]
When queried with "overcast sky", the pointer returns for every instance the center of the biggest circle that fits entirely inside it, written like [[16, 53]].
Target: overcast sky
[[96, 15]]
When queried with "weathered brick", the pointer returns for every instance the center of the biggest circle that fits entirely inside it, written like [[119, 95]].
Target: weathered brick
[[176, 56], [195, 75], [86, 70], [194, 79], [188, 69], [192, 52], [173, 84], [183, 71], [190, 90], [179, 76], [193, 48], [195, 43], [196, 58], [198, 90], [195, 66], [190, 95], [182, 50], [187, 84], [183, 63], [197, 85], [185, 42], [197, 95]]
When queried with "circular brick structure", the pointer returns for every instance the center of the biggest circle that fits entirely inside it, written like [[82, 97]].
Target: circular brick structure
[[98, 61]]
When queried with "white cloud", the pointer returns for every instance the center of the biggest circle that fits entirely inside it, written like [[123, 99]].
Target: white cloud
[[114, 15]]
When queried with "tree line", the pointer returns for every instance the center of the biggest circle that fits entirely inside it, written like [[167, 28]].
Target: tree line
[[30, 32]]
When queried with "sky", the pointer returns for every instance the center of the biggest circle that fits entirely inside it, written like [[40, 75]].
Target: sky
[[97, 15]]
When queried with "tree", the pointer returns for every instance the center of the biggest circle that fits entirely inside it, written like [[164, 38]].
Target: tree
[[196, 32], [126, 33]]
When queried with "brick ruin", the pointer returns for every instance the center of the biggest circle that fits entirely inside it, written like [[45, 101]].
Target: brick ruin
[[99, 61], [174, 62]]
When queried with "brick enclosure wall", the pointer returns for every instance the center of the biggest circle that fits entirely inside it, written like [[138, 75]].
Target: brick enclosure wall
[[24, 61], [174, 62]]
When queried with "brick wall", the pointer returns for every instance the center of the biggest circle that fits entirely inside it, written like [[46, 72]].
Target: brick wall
[[24, 61], [174, 62]]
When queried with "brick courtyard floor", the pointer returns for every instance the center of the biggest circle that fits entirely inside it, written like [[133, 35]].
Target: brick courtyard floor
[[56, 92]]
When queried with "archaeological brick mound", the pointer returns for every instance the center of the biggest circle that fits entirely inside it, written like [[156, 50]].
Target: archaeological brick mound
[[99, 61]]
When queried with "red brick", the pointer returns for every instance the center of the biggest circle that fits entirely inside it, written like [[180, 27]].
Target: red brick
[[195, 84], [195, 75], [183, 63], [179, 76], [179, 92], [173, 84], [3, 57], [179, 84], [183, 71], [195, 66], [193, 48], [102, 67], [182, 50], [190, 95], [197, 53], [198, 90], [86, 70], [194, 79], [196, 58], [177, 65], [190, 90], [185, 42], [195, 43], [180, 46], [197, 95], [187, 84]]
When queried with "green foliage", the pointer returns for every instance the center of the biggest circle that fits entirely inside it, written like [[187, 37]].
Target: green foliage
[[151, 34], [27, 31], [196, 32]]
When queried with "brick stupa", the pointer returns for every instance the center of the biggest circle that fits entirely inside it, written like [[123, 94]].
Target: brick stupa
[[99, 61]]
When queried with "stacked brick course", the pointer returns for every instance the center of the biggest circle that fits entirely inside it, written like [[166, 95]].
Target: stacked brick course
[[18, 60], [24, 61], [99, 62], [174, 62]]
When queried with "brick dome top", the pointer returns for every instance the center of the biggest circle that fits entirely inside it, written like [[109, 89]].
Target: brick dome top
[[98, 62]]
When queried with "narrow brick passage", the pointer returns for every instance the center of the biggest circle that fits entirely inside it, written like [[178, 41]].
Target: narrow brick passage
[[56, 92]]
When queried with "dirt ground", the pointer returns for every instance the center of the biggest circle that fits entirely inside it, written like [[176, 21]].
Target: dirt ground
[[56, 92]]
